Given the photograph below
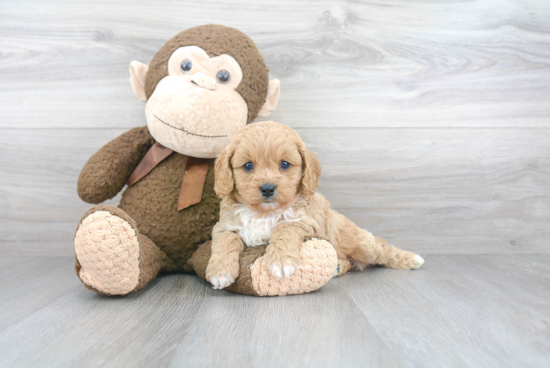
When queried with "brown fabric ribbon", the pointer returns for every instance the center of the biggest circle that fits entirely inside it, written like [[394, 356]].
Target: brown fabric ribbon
[[193, 179], [152, 158], [193, 182]]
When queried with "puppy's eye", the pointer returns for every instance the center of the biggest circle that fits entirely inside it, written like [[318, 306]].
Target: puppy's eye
[[248, 167], [186, 65], [285, 165], [223, 76]]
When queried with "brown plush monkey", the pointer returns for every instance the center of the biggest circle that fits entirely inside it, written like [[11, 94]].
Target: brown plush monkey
[[201, 87]]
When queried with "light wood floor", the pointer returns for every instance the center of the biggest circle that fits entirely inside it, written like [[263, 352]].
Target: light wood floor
[[456, 311]]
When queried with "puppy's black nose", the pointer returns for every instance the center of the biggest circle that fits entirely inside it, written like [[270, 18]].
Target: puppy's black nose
[[268, 190]]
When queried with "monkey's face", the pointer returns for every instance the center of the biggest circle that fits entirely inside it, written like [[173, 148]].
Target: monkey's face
[[203, 85], [195, 110]]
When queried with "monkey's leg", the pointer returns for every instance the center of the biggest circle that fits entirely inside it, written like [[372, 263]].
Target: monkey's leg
[[318, 264], [365, 249], [112, 257]]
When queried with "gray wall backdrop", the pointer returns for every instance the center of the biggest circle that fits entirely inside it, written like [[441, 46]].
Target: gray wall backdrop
[[431, 118]]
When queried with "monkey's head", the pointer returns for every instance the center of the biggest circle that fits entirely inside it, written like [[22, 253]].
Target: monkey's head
[[201, 87]]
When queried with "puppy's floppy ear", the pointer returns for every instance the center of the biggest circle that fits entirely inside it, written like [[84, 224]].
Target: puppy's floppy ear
[[223, 174], [311, 171]]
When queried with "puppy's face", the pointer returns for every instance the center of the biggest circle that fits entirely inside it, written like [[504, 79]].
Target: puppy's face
[[266, 167], [267, 172]]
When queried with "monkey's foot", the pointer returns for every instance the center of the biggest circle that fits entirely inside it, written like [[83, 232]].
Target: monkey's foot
[[318, 263], [108, 254]]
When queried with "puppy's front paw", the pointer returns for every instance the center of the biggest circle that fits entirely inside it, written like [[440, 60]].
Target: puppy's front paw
[[287, 271], [280, 266], [220, 282], [222, 271]]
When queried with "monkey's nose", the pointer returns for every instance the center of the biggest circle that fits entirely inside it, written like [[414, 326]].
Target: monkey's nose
[[267, 190], [203, 81]]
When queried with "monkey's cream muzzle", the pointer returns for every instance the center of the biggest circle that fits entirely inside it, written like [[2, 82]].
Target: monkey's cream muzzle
[[194, 115]]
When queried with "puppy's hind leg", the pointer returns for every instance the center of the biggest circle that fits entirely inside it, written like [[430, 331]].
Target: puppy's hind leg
[[393, 257], [365, 249]]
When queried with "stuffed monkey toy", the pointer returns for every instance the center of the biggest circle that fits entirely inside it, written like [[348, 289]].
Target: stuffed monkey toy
[[201, 87]]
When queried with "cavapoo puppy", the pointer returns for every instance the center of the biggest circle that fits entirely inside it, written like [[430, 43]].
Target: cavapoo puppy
[[267, 179]]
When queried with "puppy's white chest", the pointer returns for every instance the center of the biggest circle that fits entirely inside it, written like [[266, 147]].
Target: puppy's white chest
[[256, 229]]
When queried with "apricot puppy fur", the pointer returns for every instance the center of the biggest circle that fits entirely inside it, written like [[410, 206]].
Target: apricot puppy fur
[[267, 179]]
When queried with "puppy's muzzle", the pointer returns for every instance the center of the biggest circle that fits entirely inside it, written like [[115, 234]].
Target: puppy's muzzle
[[267, 190]]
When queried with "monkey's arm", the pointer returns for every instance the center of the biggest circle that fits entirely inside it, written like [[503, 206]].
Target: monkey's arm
[[106, 172]]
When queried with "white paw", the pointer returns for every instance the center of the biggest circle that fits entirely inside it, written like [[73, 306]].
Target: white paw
[[419, 262], [288, 271], [276, 271], [221, 281]]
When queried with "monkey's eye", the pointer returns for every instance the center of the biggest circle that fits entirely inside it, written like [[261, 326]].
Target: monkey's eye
[[186, 65], [248, 167], [285, 165], [223, 76]]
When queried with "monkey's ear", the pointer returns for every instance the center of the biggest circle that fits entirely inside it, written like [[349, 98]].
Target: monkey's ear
[[223, 175], [273, 92], [137, 79]]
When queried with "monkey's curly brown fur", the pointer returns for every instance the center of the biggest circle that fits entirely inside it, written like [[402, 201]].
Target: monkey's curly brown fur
[[152, 201]]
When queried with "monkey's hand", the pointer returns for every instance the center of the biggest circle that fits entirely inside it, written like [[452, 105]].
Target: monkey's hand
[[106, 172]]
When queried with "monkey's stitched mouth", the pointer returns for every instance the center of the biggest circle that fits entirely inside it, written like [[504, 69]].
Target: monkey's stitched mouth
[[185, 131]]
